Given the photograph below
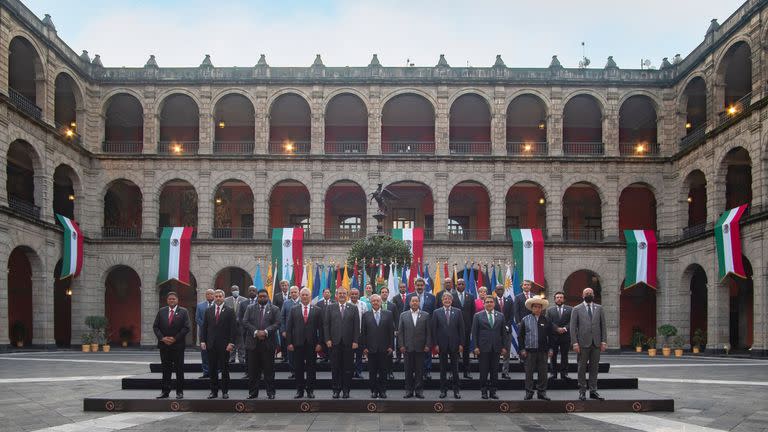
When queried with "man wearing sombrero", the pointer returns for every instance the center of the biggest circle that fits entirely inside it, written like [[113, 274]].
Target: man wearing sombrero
[[534, 343]]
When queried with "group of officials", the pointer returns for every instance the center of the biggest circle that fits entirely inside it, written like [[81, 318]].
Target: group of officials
[[407, 326]]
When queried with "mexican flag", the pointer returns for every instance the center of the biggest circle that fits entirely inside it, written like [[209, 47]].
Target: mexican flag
[[728, 243], [641, 258], [287, 250], [528, 253], [414, 239], [72, 251], [175, 246]]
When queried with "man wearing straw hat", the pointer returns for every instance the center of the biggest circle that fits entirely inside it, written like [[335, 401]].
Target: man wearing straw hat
[[534, 343]]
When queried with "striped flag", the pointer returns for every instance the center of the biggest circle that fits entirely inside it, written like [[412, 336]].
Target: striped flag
[[728, 243], [641, 258], [271, 281], [438, 283], [345, 279], [513, 349], [320, 283], [287, 249], [392, 279], [175, 245], [72, 250], [528, 253], [309, 280]]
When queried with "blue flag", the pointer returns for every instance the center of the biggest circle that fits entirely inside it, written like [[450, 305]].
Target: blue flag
[[427, 279], [465, 276], [258, 282], [317, 284], [493, 281], [404, 276], [516, 287], [471, 288]]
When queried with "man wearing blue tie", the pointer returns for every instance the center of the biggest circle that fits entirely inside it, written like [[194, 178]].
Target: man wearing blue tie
[[448, 336], [427, 304]]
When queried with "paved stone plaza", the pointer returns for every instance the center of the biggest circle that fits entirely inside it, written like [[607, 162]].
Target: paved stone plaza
[[45, 391]]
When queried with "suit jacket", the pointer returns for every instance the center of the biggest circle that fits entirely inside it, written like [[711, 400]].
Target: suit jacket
[[200, 313], [543, 333], [241, 312], [338, 330], [428, 305], [377, 338], [322, 304], [587, 331], [178, 328], [271, 323], [414, 338], [560, 321], [288, 304], [217, 335], [392, 307], [508, 310], [401, 306], [298, 333], [520, 309], [279, 298], [235, 303], [487, 338], [448, 334], [468, 310]]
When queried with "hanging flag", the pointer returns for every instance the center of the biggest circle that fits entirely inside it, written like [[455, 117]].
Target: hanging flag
[[728, 243], [480, 281], [445, 270], [641, 258], [471, 286], [338, 276], [455, 275], [271, 281], [331, 282], [438, 283], [258, 282], [428, 280], [72, 249], [493, 282], [309, 281], [465, 276], [355, 284], [392, 279], [345, 279], [380, 280], [175, 245], [305, 273], [528, 253], [517, 289], [414, 239], [287, 250], [510, 289], [404, 276], [364, 274]]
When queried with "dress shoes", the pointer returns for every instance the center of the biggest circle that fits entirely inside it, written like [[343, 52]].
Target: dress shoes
[[456, 395], [212, 395], [382, 395], [528, 396], [335, 395], [427, 377], [553, 376], [179, 395], [595, 395], [253, 395], [443, 394], [564, 376], [310, 394], [542, 396], [408, 395], [582, 396], [484, 394], [203, 376], [493, 395], [391, 376], [292, 376], [504, 376], [162, 396], [345, 395], [467, 375], [419, 395], [271, 395], [299, 394], [225, 395]]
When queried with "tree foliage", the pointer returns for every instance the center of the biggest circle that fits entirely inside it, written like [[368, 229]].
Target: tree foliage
[[379, 247]]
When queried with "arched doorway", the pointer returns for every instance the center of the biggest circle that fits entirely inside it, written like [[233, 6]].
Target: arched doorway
[[470, 125], [64, 191], [741, 309], [408, 125], [583, 126], [637, 209], [20, 323], [414, 209], [345, 211], [695, 187], [26, 77], [62, 308], [290, 125], [23, 193], [346, 125], [289, 205], [122, 305], [233, 210], [234, 125], [582, 213], [527, 126], [187, 299], [122, 210], [469, 212], [123, 125], [576, 282], [698, 290], [637, 312], [229, 276], [738, 178], [178, 205], [526, 207], [179, 125], [67, 102], [637, 127]]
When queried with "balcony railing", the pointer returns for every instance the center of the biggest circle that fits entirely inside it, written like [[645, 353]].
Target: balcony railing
[[508, 235], [122, 147], [583, 148], [735, 109], [119, 232], [469, 234], [160, 232], [583, 234], [289, 147], [179, 148], [408, 147], [429, 233], [525, 148], [470, 147], [24, 104], [346, 147], [694, 230], [638, 149], [337, 233], [23, 207], [243, 233], [693, 137], [233, 147]]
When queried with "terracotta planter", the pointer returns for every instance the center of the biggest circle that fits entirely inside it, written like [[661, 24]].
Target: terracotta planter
[[639, 349], [651, 352], [124, 344], [666, 351], [105, 348], [696, 350], [679, 352], [86, 347], [19, 344], [94, 347]]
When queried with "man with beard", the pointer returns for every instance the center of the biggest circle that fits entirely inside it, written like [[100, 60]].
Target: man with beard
[[560, 317], [262, 323], [217, 336]]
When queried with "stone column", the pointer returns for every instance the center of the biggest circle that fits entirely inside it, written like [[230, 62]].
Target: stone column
[[498, 206], [261, 134], [206, 133], [150, 212], [498, 111], [317, 145], [610, 123], [374, 121], [610, 206], [261, 203], [204, 205], [42, 301], [611, 297], [151, 131], [317, 206], [718, 314], [5, 253], [440, 200], [760, 304], [555, 190], [442, 122]]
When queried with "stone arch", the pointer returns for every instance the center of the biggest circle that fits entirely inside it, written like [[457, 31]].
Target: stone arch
[[473, 91], [682, 99], [654, 98], [77, 188], [161, 98], [409, 90], [546, 101], [573, 285], [106, 98], [24, 289], [483, 180], [39, 65], [222, 93], [284, 91], [347, 90], [602, 103], [123, 302], [169, 176]]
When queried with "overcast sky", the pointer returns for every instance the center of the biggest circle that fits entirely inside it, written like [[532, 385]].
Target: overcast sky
[[347, 32]]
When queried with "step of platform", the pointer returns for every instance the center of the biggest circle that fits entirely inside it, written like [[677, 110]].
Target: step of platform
[[509, 402], [152, 381], [280, 366]]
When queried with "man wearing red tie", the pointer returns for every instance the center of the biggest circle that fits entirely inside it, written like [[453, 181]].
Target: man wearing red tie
[[171, 327], [217, 336], [304, 338], [520, 299]]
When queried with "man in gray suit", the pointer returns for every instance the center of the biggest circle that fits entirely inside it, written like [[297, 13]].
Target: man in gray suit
[[588, 337], [414, 338], [235, 302]]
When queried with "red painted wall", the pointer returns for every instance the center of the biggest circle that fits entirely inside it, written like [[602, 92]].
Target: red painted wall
[[19, 294], [285, 201], [637, 209], [523, 202], [122, 303], [637, 308]]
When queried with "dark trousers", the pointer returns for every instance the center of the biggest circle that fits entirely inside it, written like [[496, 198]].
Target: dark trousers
[[449, 362], [561, 348], [589, 358], [305, 362], [172, 359], [261, 360], [489, 364], [427, 362], [219, 362], [359, 360], [204, 361], [378, 369], [341, 367], [536, 362], [465, 354], [414, 373]]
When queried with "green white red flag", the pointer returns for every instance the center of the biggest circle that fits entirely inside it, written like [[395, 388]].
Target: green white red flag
[[528, 253], [288, 252], [642, 253], [72, 249], [175, 247], [728, 243]]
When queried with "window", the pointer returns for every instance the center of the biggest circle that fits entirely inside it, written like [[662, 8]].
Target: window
[[299, 221], [403, 218], [349, 226], [457, 226]]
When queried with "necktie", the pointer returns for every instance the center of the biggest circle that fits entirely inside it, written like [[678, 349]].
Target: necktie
[[306, 315], [385, 305], [490, 319], [447, 316], [210, 304], [501, 303], [253, 301], [341, 311], [261, 318], [589, 311], [461, 299], [560, 311], [218, 311], [170, 316], [377, 317], [403, 297], [421, 302]]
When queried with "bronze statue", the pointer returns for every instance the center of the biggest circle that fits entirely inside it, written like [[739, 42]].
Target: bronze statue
[[383, 196]]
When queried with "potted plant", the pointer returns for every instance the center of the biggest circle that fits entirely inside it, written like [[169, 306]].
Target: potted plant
[[19, 333], [699, 339], [104, 337], [98, 325], [126, 335], [651, 346], [677, 344], [86, 339], [667, 330], [638, 338]]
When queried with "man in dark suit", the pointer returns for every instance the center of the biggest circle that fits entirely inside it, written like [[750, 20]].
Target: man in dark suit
[[414, 341], [217, 336], [491, 338], [322, 304], [304, 335], [447, 289], [262, 323], [465, 302], [448, 336], [281, 295], [400, 299], [589, 339], [560, 317], [377, 337], [427, 303], [390, 306], [520, 310], [505, 305], [171, 327], [341, 331], [237, 302], [253, 293], [288, 304], [199, 317]]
